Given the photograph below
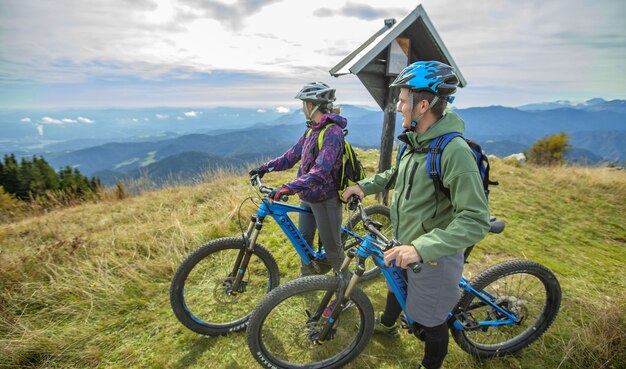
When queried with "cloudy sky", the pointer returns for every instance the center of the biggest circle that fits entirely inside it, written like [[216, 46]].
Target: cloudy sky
[[258, 53]]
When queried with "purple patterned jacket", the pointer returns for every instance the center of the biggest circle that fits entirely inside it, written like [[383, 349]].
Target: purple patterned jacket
[[315, 181]]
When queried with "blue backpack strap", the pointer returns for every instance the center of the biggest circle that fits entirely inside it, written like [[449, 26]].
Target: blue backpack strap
[[433, 164], [433, 160]]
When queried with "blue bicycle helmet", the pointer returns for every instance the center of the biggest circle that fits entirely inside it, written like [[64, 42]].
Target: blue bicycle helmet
[[433, 76]]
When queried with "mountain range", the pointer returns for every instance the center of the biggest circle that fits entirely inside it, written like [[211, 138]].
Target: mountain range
[[177, 143]]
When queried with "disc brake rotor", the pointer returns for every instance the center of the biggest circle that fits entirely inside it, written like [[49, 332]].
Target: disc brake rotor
[[223, 290], [516, 306]]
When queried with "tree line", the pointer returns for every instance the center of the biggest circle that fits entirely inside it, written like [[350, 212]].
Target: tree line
[[32, 178]]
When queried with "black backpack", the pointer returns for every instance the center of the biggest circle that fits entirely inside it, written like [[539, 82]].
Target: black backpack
[[352, 170], [433, 161]]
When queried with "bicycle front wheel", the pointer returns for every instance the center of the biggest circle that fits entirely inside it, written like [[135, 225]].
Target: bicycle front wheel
[[201, 294], [377, 213], [527, 289], [283, 328]]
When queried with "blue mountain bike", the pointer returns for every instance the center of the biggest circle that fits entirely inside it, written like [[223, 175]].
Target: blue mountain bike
[[325, 322], [216, 287]]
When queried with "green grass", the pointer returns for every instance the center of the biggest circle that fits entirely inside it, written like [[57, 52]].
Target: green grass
[[87, 287], [127, 162], [149, 159]]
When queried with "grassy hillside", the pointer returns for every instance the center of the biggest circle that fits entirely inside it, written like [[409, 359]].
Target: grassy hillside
[[87, 287]]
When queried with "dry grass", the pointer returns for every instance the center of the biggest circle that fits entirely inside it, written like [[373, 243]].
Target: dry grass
[[87, 286]]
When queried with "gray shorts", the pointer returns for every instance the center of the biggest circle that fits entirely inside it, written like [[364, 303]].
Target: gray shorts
[[433, 292]]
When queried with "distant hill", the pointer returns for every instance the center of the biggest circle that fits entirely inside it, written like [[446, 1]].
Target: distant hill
[[173, 169], [618, 106], [597, 129]]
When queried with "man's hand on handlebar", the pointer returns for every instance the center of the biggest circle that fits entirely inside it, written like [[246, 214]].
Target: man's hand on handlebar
[[352, 190], [403, 256]]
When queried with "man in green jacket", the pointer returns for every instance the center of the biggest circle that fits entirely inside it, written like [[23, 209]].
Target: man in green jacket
[[433, 227]]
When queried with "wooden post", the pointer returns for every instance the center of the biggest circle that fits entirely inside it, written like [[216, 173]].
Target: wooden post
[[387, 138]]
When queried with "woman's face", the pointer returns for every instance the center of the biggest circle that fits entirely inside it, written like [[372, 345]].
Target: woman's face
[[305, 108]]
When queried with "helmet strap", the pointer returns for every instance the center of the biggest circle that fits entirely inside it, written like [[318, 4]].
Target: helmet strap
[[309, 115], [415, 120]]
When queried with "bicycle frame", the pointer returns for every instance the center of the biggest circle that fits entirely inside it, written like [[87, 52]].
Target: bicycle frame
[[279, 212], [395, 276], [373, 245]]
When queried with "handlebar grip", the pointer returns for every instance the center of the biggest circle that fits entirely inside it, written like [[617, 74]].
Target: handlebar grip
[[353, 201], [415, 267]]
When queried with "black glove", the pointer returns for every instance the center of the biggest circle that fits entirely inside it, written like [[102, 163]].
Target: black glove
[[279, 192], [257, 171]]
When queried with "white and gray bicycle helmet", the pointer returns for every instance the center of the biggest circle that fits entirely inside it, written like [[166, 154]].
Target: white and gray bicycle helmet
[[317, 92]]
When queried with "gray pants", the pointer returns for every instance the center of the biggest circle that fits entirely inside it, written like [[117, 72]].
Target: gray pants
[[326, 218], [434, 291]]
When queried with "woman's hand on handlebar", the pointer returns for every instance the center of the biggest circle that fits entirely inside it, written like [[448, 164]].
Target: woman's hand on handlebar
[[257, 171], [352, 190], [280, 193]]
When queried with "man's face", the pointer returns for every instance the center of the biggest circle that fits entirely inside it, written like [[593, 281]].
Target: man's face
[[404, 107]]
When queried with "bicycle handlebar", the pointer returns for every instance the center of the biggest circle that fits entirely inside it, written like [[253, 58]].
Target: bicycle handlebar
[[353, 202], [255, 180]]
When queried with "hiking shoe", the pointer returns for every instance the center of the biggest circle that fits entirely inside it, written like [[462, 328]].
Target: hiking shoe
[[329, 309], [380, 328]]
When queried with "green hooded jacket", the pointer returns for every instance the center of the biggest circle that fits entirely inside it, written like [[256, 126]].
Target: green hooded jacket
[[435, 224]]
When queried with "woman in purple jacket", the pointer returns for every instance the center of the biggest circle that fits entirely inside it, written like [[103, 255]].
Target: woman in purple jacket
[[316, 183]]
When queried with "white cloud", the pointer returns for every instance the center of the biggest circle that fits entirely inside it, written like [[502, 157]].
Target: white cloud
[[562, 49], [25, 120], [192, 114], [261, 111], [40, 130], [135, 120], [282, 109], [84, 120], [162, 116], [180, 118], [146, 119], [49, 120]]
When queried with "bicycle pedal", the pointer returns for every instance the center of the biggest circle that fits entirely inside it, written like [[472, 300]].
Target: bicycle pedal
[[404, 323], [467, 321]]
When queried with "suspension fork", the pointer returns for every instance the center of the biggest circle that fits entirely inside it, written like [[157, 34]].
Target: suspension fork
[[326, 299], [245, 254], [343, 294], [246, 244]]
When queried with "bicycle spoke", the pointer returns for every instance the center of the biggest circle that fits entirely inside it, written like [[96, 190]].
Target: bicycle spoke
[[521, 294], [288, 336], [207, 288]]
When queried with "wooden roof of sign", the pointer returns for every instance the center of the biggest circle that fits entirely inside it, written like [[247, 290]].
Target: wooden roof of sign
[[369, 61]]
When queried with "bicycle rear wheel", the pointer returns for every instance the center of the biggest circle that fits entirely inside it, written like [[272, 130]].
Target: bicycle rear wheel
[[377, 213], [527, 289], [199, 291], [281, 331]]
